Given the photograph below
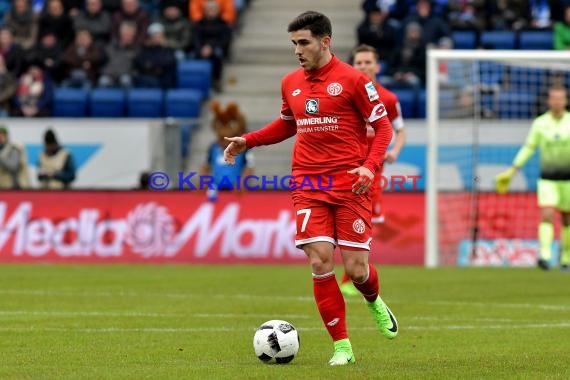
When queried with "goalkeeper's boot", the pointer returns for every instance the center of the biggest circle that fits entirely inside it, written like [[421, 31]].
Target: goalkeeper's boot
[[342, 353], [543, 264], [348, 289], [384, 318]]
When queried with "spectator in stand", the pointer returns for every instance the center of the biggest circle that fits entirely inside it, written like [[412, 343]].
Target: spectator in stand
[[509, 15], [23, 23], [468, 15], [540, 12], [34, 93], [7, 89], [407, 64], [95, 19], [433, 27], [376, 32], [14, 56], [13, 163], [562, 32], [131, 11], [55, 20], [56, 169], [121, 54], [226, 10], [156, 63], [177, 29], [82, 61], [112, 6], [213, 38], [47, 53], [72, 7]]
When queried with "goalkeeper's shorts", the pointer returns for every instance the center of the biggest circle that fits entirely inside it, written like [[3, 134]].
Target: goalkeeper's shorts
[[554, 194]]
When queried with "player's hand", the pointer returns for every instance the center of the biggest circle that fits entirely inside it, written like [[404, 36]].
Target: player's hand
[[391, 156], [365, 179], [237, 146], [503, 180]]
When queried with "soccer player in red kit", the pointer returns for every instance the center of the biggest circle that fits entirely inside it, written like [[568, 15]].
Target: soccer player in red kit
[[327, 104], [365, 59]]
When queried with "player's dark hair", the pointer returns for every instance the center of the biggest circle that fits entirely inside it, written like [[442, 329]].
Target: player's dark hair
[[317, 23], [363, 48]]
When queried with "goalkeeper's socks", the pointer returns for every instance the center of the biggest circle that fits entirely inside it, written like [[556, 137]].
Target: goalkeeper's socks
[[565, 245], [545, 238], [369, 287], [330, 303]]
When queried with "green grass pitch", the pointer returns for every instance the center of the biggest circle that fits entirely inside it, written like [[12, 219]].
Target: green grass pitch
[[197, 322]]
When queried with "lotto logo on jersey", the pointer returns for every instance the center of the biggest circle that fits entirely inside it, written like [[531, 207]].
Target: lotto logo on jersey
[[371, 91], [312, 106]]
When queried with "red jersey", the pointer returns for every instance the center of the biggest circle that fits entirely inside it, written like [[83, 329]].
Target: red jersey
[[393, 109], [329, 109]]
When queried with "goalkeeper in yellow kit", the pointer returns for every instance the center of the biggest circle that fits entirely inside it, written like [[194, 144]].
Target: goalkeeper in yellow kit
[[550, 133]]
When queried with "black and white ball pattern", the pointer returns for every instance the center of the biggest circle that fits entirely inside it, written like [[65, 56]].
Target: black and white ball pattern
[[276, 341]]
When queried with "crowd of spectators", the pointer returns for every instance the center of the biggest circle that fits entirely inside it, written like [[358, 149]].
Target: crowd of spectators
[[402, 30], [106, 43]]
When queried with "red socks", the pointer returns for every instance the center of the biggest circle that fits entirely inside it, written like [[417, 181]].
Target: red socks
[[370, 287], [330, 303]]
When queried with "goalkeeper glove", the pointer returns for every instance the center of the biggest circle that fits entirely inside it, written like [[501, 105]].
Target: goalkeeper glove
[[503, 179]]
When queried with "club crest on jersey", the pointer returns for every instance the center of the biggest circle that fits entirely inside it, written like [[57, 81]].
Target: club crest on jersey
[[334, 88], [371, 91], [312, 106]]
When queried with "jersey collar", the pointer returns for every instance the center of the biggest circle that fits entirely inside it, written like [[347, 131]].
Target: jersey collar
[[322, 73]]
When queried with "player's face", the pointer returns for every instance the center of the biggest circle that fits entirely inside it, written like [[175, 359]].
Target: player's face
[[309, 50], [366, 62], [557, 100]]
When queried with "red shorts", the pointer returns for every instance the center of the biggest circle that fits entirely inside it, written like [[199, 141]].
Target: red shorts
[[339, 217]]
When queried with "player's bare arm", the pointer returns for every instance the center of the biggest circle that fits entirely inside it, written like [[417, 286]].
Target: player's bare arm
[[392, 155], [364, 182], [237, 145]]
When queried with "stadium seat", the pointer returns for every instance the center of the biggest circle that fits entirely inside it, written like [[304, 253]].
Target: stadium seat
[[499, 39], [490, 73], [107, 102], [516, 105], [183, 103], [195, 74], [145, 103], [70, 102], [526, 78], [407, 99], [536, 40], [464, 39], [447, 98]]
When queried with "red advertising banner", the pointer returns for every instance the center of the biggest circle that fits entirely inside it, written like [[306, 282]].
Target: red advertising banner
[[181, 227]]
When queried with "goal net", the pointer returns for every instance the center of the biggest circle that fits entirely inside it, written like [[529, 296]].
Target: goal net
[[480, 106]]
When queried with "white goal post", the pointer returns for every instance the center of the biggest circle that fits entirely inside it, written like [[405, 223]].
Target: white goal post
[[472, 121]]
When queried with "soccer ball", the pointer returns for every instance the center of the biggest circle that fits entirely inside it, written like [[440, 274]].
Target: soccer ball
[[277, 341]]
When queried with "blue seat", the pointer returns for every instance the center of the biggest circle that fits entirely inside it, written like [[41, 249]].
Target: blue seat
[[464, 39], [490, 73], [407, 98], [70, 102], [499, 39], [145, 103], [195, 74], [516, 105], [536, 40], [183, 103], [107, 102], [526, 78]]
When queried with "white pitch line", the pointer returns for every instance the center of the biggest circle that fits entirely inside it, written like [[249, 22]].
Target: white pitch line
[[305, 329], [57, 293], [63, 313], [230, 315], [503, 305]]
